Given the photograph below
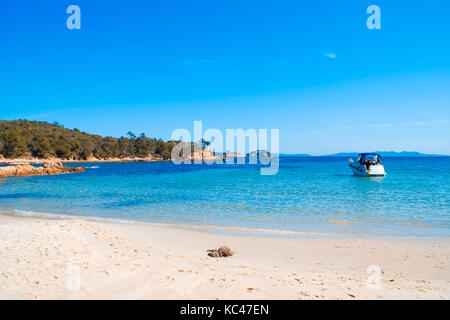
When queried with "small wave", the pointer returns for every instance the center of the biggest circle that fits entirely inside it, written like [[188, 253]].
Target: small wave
[[35, 214], [59, 216], [206, 228], [340, 222], [239, 229], [93, 167]]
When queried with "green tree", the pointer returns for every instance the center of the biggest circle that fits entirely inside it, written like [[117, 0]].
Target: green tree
[[84, 151], [63, 148], [143, 146], [39, 146], [126, 147], [204, 142], [131, 135], [14, 145]]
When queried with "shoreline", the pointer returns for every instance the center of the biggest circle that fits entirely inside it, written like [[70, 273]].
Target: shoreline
[[113, 260], [231, 231]]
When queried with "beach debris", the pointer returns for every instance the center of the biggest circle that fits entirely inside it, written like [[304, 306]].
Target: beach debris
[[223, 251]]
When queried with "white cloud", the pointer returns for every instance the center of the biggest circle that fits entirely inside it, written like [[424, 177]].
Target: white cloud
[[330, 55]]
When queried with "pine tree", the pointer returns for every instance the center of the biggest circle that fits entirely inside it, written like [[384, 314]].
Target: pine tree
[[40, 146], [14, 146]]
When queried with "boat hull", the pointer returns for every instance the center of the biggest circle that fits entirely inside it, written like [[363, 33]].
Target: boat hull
[[373, 171]]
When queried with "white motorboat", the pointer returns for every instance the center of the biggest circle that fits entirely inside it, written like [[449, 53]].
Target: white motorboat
[[367, 165]]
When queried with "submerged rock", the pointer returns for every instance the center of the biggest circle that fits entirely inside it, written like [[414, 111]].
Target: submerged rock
[[223, 251]]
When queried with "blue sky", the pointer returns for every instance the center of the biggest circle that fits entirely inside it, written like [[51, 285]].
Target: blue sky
[[309, 68]]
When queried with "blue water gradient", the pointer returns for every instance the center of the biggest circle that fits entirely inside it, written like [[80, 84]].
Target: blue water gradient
[[309, 195]]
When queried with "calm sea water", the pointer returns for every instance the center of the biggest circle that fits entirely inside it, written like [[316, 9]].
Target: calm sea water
[[309, 195]]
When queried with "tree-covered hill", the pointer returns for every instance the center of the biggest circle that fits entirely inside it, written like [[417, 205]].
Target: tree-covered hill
[[23, 138]]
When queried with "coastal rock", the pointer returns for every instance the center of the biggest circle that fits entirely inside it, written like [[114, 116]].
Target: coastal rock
[[54, 167], [204, 155], [48, 168], [53, 164], [208, 155], [76, 169], [26, 170], [7, 171], [234, 155], [149, 158], [223, 251]]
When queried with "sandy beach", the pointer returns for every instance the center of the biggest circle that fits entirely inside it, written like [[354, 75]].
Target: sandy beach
[[78, 259]]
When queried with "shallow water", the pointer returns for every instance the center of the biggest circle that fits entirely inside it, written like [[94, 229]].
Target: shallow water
[[309, 195]]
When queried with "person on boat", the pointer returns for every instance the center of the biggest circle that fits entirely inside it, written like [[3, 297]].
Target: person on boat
[[361, 160]]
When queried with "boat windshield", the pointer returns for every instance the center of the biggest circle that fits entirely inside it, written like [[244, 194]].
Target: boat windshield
[[373, 157], [369, 159]]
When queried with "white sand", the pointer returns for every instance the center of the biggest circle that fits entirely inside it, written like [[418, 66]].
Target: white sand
[[76, 259]]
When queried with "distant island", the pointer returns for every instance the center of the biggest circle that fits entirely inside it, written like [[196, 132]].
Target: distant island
[[259, 154], [387, 154], [382, 153]]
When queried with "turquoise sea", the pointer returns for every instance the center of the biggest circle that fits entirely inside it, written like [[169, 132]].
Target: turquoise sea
[[308, 196]]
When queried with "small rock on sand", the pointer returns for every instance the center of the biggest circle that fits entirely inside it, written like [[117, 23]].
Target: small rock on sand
[[223, 251]]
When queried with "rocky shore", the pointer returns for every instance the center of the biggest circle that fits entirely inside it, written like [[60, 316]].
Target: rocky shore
[[204, 155], [48, 168]]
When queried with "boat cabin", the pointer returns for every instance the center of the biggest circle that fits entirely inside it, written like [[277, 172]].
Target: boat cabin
[[368, 159]]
